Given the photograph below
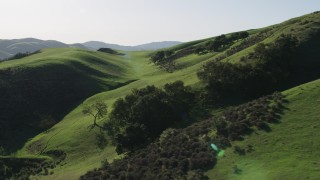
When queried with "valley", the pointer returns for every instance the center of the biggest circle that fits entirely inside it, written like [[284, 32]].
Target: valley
[[43, 96]]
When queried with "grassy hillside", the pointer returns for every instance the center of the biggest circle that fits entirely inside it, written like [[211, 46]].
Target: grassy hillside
[[82, 153], [289, 151], [98, 76], [38, 91]]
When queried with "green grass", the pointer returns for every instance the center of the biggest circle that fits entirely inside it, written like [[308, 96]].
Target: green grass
[[38, 91], [289, 151], [72, 135]]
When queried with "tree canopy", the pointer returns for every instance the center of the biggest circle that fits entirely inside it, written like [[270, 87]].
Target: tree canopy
[[142, 115]]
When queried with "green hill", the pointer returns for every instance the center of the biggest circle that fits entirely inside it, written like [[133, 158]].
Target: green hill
[[286, 148], [38, 91], [52, 87], [289, 151]]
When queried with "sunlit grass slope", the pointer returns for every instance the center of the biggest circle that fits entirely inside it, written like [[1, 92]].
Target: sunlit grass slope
[[289, 151]]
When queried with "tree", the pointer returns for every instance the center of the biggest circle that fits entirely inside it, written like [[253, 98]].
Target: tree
[[243, 34], [168, 53], [164, 59], [158, 57], [141, 116], [97, 110], [200, 50], [238, 35]]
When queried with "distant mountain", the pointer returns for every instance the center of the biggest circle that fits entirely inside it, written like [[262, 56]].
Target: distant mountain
[[95, 45], [78, 45], [8, 48], [149, 46]]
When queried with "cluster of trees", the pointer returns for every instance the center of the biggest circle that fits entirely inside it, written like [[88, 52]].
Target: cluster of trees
[[23, 168], [221, 42], [110, 51], [22, 55], [247, 42], [177, 154], [141, 116], [186, 153], [164, 59], [273, 64]]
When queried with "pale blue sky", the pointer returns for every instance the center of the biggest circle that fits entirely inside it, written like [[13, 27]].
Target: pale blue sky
[[131, 22]]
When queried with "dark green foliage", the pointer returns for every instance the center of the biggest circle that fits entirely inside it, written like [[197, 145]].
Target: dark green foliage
[[239, 35], [2, 151], [280, 54], [247, 42], [22, 55], [97, 110], [158, 57], [217, 44], [109, 51], [273, 66], [57, 155], [164, 59], [15, 168], [239, 150], [200, 50], [178, 154], [222, 42], [34, 99], [238, 121], [101, 140], [141, 116], [22, 168], [186, 153]]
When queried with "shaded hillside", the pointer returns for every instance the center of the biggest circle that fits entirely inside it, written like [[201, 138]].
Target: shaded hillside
[[37, 93]]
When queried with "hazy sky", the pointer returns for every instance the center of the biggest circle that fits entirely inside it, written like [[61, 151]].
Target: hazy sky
[[131, 22]]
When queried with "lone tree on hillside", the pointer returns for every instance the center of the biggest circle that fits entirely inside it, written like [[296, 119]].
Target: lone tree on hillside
[[97, 110]]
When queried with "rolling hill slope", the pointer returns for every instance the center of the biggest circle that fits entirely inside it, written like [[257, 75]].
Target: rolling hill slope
[[289, 151], [37, 91], [97, 76]]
